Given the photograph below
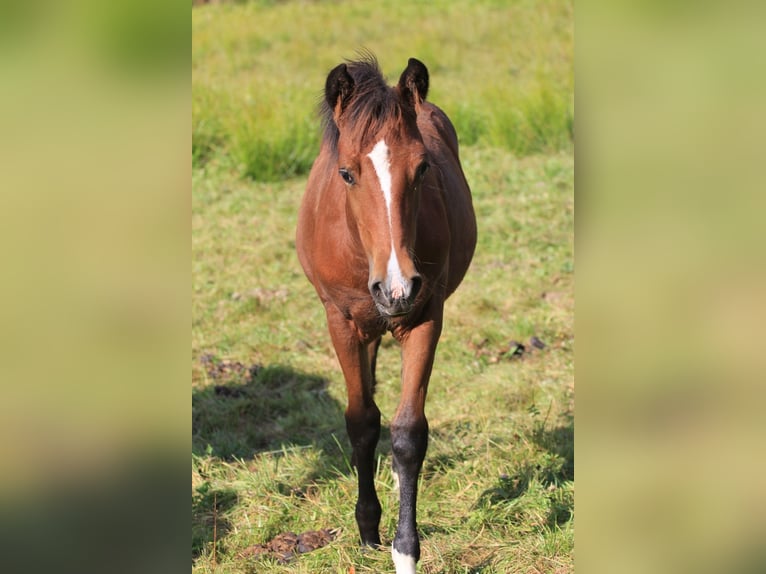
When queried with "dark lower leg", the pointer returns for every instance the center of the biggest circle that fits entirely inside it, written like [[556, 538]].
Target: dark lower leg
[[409, 442], [364, 432]]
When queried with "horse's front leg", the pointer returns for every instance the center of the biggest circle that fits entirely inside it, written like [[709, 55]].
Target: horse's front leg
[[409, 434], [362, 419]]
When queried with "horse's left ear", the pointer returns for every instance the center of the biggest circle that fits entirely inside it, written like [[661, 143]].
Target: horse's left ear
[[413, 83]]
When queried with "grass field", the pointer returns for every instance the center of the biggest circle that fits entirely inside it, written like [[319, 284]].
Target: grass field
[[270, 454], [503, 70]]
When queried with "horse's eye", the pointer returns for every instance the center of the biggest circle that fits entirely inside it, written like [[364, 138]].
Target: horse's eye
[[347, 177], [421, 171]]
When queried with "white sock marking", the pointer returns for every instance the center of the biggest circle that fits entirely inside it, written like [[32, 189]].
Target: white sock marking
[[396, 480], [404, 564], [382, 164]]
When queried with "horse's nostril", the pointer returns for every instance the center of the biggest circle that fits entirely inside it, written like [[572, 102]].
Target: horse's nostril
[[376, 289]]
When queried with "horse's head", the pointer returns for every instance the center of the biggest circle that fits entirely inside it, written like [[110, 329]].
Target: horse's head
[[381, 161]]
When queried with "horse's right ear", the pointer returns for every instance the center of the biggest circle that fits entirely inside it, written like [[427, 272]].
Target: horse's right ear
[[338, 89]]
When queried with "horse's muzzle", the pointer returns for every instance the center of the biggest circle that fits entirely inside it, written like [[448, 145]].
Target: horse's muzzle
[[398, 301]]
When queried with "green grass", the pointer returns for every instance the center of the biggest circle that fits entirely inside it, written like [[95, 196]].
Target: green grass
[[270, 453], [503, 71]]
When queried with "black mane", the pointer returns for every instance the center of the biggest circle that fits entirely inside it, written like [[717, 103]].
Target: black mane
[[373, 103]]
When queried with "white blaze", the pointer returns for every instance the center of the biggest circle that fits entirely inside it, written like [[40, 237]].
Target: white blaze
[[382, 164]]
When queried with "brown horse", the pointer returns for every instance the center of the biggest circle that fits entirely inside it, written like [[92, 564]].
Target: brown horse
[[386, 232]]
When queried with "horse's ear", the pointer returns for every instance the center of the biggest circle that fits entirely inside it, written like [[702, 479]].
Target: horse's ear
[[413, 83], [338, 89]]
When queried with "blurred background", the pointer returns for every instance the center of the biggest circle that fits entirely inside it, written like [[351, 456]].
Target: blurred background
[[670, 284], [95, 102], [94, 311]]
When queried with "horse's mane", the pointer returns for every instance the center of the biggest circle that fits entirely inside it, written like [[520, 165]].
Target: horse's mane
[[372, 105]]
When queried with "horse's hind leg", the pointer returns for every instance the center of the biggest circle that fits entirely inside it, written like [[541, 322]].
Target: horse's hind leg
[[372, 353], [362, 420]]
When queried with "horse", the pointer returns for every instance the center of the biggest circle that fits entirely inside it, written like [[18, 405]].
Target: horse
[[386, 232]]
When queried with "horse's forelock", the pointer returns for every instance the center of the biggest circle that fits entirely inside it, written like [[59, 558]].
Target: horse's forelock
[[373, 105]]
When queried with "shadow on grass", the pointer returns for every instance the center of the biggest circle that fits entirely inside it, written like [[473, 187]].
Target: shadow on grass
[[258, 409], [252, 410]]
